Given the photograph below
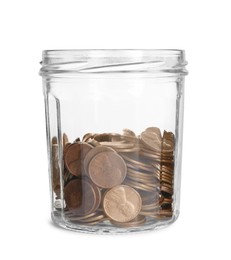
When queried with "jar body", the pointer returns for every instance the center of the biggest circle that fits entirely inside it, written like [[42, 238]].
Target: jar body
[[114, 149]]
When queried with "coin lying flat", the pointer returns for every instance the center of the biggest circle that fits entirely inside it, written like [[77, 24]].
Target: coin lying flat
[[107, 137], [139, 220], [107, 169], [122, 203], [80, 197], [74, 157]]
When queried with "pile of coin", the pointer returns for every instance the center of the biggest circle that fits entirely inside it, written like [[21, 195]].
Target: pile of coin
[[122, 178]]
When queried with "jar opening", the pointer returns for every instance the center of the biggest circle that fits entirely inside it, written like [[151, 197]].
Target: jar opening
[[77, 62]]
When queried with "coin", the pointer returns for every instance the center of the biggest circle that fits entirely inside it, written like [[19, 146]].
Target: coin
[[65, 139], [118, 145], [80, 197], [93, 218], [141, 167], [71, 215], [169, 181], [165, 213], [107, 169], [88, 136], [167, 200], [93, 152], [55, 169], [168, 142], [97, 195], [143, 162], [139, 220], [142, 185], [68, 177], [54, 140], [128, 133], [93, 142], [122, 203], [153, 129], [167, 189], [77, 140], [107, 137], [74, 157], [151, 137]]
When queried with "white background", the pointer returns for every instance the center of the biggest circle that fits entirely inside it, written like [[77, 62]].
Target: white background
[[202, 28]]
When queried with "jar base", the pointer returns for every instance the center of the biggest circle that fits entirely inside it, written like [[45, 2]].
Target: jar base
[[106, 228]]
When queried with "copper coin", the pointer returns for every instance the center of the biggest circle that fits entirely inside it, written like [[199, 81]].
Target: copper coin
[[151, 137], [55, 169], [149, 197], [88, 136], [74, 157], [167, 189], [65, 148], [72, 216], [107, 137], [97, 195], [139, 220], [93, 142], [122, 203], [54, 140], [65, 139], [93, 218], [129, 133], [168, 142], [80, 197], [118, 145], [93, 153], [107, 169]]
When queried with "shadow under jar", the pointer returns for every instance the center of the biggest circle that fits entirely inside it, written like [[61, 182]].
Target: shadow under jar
[[114, 130]]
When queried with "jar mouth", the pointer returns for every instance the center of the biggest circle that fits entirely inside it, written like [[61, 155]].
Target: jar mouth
[[165, 62]]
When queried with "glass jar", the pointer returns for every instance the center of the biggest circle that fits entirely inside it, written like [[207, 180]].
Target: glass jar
[[114, 130]]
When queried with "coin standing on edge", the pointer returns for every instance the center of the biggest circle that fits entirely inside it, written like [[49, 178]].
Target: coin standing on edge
[[151, 137], [74, 157], [81, 197], [92, 153], [107, 169], [122, 203]]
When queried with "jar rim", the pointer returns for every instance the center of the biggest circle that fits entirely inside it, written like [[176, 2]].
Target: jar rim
[[96, 61], [110, 51]]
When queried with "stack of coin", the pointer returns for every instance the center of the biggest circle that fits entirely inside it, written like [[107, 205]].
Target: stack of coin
[[124, 178], [55, 167], [167, 173]]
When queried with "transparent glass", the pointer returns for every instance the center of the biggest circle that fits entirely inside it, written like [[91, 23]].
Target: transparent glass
[[114, 132]]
